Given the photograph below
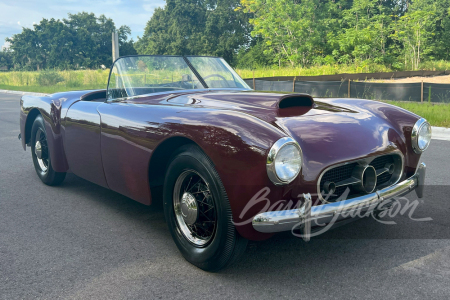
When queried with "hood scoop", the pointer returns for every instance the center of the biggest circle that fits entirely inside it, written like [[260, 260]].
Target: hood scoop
[[296, 100], [283, 105]]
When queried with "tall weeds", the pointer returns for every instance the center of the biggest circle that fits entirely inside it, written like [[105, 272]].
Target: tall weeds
[[66, 79]]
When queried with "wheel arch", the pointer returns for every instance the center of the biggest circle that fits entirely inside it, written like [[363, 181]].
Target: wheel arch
[[32, 115], [160, 160]]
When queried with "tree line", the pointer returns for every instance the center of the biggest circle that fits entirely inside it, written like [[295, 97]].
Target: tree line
[[80, 41], [398, 33], [251, 34]]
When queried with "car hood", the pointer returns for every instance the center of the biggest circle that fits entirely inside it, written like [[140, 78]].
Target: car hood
[[264, 105], [329, 131]]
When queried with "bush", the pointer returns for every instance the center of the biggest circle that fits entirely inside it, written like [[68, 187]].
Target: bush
[[49, 78]]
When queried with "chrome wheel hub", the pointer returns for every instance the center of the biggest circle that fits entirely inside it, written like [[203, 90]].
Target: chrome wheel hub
[[194, 208], [41, 151], [189, 209], [38, 150]]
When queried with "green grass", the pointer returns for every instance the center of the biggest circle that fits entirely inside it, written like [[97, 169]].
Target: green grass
[[363, 67], [436, 113], [312, 71], [71, 80]]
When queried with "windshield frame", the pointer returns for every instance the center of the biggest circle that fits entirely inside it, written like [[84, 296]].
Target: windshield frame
[[191, 67]]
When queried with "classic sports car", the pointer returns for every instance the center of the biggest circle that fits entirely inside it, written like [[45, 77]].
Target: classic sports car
[[234, 164]]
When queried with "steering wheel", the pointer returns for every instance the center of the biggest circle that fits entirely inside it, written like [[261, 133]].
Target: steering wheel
[[217, 75]]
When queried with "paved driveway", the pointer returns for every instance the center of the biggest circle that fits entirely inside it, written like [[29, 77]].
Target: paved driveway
[[83, 241]]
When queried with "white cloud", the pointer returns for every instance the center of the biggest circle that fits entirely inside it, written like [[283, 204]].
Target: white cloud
[[18, 22], [5, 45]]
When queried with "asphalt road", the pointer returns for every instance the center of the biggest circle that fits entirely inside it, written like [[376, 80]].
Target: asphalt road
[[81, 241]]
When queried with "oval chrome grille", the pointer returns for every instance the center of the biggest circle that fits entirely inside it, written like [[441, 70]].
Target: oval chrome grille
[[389, 169], [379, 163]]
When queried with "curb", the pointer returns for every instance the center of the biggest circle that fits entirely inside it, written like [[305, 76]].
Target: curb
[[22, 93], [440, 133]]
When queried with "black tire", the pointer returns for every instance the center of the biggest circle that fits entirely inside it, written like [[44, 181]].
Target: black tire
[[225, 245], [43, 165]]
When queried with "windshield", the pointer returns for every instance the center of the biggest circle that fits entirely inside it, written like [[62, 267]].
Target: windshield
[[216, 72], [139, 75]]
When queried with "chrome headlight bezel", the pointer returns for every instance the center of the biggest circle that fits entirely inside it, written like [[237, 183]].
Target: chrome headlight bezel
[[415, 135], [270, 165]]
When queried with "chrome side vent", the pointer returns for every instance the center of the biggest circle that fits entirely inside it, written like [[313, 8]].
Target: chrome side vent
[[360, 177]]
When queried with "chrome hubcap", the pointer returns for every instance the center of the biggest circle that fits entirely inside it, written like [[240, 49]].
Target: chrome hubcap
[[194, 208], [38, 150], [41, 151], [189, 209]]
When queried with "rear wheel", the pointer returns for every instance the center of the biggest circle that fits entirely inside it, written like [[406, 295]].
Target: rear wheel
[[41, 155], [198, 212]]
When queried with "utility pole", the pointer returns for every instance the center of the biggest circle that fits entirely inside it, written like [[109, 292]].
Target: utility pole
[[115, 46]]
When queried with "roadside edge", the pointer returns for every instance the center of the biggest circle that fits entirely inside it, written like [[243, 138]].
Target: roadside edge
[[22, 93]]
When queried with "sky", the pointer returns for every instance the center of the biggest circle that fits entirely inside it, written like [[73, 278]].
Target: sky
[[15, 14]]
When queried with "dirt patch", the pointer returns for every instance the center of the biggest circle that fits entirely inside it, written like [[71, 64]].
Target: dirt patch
[[435, 79]]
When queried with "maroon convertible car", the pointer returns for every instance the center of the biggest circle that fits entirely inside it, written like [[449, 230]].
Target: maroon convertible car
[[234, 164]]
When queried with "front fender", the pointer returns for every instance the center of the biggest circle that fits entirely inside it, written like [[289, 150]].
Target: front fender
[[236, 143], [52, 108]]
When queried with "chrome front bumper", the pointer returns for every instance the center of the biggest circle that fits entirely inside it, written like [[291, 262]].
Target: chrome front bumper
[[303, 217]]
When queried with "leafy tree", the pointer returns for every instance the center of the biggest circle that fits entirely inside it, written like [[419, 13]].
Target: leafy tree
[[6, 60], [249, 34], [126, 47], [411, 31], [419, 32], [42, 47], [295, 30], [365, 32], [255, 55], [195, 27], [437, 39], [80, 41]]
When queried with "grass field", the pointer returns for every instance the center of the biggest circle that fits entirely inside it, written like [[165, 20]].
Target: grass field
[[363, 67], [436, 114], [312, 71], [54, 81]]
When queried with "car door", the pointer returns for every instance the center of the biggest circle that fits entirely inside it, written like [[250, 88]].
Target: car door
[[127, 141], [83, 141]]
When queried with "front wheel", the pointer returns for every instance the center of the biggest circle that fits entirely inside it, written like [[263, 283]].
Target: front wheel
[[41, 155], [198, 213]]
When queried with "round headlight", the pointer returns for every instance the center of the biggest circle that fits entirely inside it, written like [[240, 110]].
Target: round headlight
[[421, 136], [284, 161]]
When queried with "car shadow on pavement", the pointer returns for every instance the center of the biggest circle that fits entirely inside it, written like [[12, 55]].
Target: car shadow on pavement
[[364, 243], [152, 215]]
